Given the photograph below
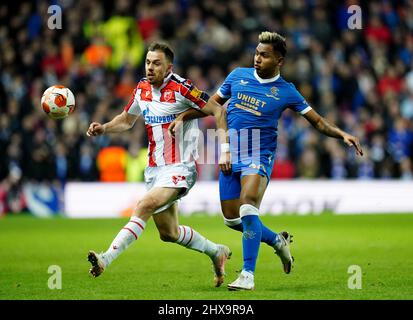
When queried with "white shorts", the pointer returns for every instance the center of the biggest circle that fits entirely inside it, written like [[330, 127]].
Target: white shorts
[[181, 175]]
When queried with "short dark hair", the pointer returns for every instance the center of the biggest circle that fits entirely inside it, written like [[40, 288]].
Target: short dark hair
[[276, 40], [164, 47]]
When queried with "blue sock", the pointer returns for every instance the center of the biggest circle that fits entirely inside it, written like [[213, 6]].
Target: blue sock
[[268, 236], [251, 239]]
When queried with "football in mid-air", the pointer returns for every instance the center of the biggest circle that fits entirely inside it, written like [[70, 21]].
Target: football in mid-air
[[58, 102]]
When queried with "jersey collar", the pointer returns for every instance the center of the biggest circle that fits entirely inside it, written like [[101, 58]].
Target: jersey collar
[[261, 80], [166, 80]]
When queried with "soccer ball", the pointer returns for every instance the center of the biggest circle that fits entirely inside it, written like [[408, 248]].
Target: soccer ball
[[58, 102]]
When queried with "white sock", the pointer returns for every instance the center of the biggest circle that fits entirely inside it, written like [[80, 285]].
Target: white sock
[[235, 224], [191, 239], [130, 232]]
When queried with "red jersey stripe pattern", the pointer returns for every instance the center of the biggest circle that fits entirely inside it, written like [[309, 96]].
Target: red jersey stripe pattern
[[159, 107]]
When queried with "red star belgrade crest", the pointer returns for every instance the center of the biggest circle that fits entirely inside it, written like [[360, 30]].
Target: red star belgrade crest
[[176, 179], [167, 95]]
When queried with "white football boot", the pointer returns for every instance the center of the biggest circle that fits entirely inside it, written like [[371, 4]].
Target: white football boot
[[245, 281], [282, 249], [98, 263], [218, 261]]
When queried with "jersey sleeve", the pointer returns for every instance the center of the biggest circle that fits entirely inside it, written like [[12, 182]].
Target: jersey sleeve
[[297, 102], [133, 105], [224, 91], [194, 97]]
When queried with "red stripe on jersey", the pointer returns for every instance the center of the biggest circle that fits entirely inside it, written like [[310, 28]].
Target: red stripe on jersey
[[172, 85], [152, 145], [146, 90], [193, 94], [170, 147], [127, 107], [136, 237]]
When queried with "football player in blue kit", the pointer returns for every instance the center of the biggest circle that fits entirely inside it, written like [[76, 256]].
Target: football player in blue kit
[[258, 96]]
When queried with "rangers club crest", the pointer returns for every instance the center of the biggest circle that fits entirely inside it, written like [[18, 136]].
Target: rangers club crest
[[274, 93]]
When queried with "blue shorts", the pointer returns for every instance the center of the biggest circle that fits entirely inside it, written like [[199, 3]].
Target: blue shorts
[[230, 185]]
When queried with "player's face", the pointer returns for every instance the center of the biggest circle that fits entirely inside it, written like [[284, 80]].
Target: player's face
[[157, 67], [267, 61]]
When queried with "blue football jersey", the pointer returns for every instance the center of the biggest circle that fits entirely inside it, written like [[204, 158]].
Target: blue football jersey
[[254, 108]]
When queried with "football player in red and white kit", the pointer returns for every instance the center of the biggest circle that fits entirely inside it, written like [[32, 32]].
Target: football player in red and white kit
[[171, 170]]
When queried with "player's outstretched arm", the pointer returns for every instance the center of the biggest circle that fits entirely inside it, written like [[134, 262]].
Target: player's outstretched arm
[[191, 114], [323, 126], [120, 123]]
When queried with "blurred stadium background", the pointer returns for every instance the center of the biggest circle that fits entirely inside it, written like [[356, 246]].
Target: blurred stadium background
[[360, 79]]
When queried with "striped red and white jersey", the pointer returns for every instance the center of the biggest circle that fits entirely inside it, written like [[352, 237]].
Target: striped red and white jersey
[[159, 107]]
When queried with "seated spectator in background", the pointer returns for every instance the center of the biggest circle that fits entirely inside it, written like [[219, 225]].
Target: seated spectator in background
[[136, 162], [12, 198], [308, 165], [400, 140], [111, 163], [391, 81], [87, 164], [284, 169], [98, 53], [125, 87]]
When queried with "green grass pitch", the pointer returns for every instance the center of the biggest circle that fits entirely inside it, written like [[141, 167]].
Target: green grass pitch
[[324, 247]]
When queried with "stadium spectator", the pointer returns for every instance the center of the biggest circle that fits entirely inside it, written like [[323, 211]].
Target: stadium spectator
[[98, 53], [111, 162], [136, 162], [87, 164]]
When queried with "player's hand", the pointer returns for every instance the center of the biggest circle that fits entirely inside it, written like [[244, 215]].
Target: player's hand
[[95, 129], [353, 141], [225, 162], [174, 127]]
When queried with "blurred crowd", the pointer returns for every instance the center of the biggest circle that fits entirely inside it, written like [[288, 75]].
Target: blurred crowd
[[360, 79]]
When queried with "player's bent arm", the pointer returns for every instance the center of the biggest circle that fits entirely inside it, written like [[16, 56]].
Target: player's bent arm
[[120, 123], [193, 114], [184, 116], [190, 114], [331, 130]]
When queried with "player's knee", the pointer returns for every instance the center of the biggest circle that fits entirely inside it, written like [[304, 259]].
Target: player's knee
[[251, 199], [230, 209], [169, 236], [230, 213], [146, 206]]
